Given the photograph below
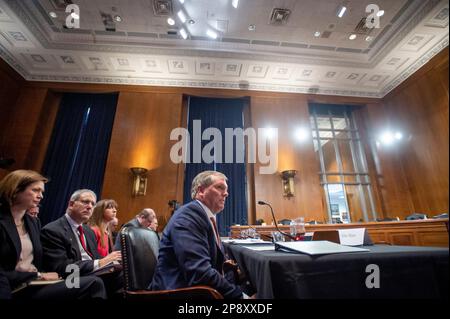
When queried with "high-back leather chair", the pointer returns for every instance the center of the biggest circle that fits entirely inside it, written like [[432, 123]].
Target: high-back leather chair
[[140, 248]]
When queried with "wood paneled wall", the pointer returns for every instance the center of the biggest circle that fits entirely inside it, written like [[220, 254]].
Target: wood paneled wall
[[9, 92], [287, 114], [413, 177], [28, 128], [140, 138]]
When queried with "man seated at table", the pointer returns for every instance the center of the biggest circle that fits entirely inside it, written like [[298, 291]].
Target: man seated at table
[[67, 241], [191, 252]]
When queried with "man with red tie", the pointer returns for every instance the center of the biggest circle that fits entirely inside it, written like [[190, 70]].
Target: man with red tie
[[191, 252], [68, 241]]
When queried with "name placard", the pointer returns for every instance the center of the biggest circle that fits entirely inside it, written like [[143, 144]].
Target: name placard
[[352, 236]]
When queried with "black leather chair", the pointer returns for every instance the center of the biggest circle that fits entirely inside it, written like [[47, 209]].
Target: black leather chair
[[140, 248]]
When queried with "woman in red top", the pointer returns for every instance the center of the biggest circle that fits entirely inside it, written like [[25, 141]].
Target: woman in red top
[[104, 211]]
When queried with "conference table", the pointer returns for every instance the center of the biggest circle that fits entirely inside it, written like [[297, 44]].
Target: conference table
[[403, 272]]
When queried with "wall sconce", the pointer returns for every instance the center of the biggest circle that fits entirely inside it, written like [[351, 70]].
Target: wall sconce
[[140, 181], [287, 179]]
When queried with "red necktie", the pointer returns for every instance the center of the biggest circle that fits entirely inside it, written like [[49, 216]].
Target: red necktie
[[216, 231], [83, 243]]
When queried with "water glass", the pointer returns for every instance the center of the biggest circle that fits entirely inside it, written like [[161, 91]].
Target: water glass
[[277, 236]]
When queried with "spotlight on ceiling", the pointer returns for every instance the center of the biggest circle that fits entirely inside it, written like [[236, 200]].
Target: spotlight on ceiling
[[317, 34], [118, 18], [235, 3], [341, 10], [183, 33], [380, 13], [181, 16], [170, 21], [53, 14], [352, 36]]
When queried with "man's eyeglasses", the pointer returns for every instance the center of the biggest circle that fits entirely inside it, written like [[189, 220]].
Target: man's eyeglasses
[[86, 202]]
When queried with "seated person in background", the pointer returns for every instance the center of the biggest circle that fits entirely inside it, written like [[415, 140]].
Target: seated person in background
[[104, 212], [112, 228], [143, 219], [20, 249], [191, 252], [154, 226], [68, 241]]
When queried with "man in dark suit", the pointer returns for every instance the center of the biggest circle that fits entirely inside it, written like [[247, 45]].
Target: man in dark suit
[[143, 220], [67, 241], [190, 251]]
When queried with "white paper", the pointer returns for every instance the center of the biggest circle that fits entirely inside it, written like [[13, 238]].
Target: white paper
[[319, 247], [352, 236], [260, 247], [245, 241]]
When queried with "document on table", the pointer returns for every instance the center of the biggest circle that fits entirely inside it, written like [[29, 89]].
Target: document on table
[[321, 247], [248, 241], [260, 247]]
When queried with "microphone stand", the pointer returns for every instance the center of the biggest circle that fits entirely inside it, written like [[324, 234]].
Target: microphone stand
[[275, 221]]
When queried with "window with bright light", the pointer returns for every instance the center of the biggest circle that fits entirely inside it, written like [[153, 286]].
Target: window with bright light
[[342, 164]]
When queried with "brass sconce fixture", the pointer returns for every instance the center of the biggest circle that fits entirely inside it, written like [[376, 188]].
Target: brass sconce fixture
[[287, 179], [139, 181]]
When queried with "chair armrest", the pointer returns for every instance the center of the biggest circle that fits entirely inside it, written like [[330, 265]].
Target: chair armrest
[[196, 292]]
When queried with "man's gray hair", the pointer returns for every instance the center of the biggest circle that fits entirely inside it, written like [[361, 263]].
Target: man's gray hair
[[77, 194], [147, 212], [205, 179]]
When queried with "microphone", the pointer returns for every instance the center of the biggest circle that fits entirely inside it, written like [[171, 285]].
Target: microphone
[[275, 221]]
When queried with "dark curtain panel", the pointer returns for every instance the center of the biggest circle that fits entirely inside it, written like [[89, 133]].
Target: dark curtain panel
[[220, 114], [78, 149]]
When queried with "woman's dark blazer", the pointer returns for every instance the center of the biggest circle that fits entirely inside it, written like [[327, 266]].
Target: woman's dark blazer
[[10, 248]]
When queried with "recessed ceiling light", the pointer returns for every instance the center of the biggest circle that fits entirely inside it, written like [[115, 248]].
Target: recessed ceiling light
[[191, 21], [118, 18], [183, 33], [235, 3], [380, 13], [341, 11], [251, 27], [181, 16], [170, 21], [352, 36], [369, 38], [211, 34], [75, 15], [317, 34], [53, 14]]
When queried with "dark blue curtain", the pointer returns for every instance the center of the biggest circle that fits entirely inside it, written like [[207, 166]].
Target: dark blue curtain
[[220, 114], [78, 149]]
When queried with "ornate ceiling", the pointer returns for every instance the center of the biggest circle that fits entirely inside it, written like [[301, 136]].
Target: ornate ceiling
[[267, 45]]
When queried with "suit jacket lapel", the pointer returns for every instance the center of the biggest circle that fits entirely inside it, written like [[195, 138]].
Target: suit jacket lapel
[[8, 223], [219, 254], [68, 233], [90, 241]]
